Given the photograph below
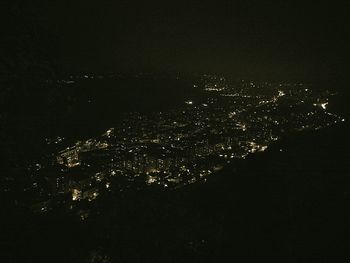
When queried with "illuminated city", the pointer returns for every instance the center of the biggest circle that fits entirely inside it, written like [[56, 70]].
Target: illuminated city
[[184, 145]]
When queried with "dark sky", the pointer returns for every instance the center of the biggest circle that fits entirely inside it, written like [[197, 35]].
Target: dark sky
[[267, 39]]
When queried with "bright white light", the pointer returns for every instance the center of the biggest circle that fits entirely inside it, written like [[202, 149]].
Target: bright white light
[[281, 93], [324, 105], [151, 179], [76, 194]]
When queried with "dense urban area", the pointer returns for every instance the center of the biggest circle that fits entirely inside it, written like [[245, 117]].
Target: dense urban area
[[171, 149]]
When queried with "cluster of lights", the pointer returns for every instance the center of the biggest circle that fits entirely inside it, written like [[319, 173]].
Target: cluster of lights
[[128, 144]]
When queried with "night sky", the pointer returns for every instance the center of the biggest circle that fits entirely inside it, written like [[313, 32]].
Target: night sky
[[267, 40]]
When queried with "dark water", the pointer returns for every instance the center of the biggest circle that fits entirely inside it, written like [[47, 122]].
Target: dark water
[[82, 110], [94, 105]]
